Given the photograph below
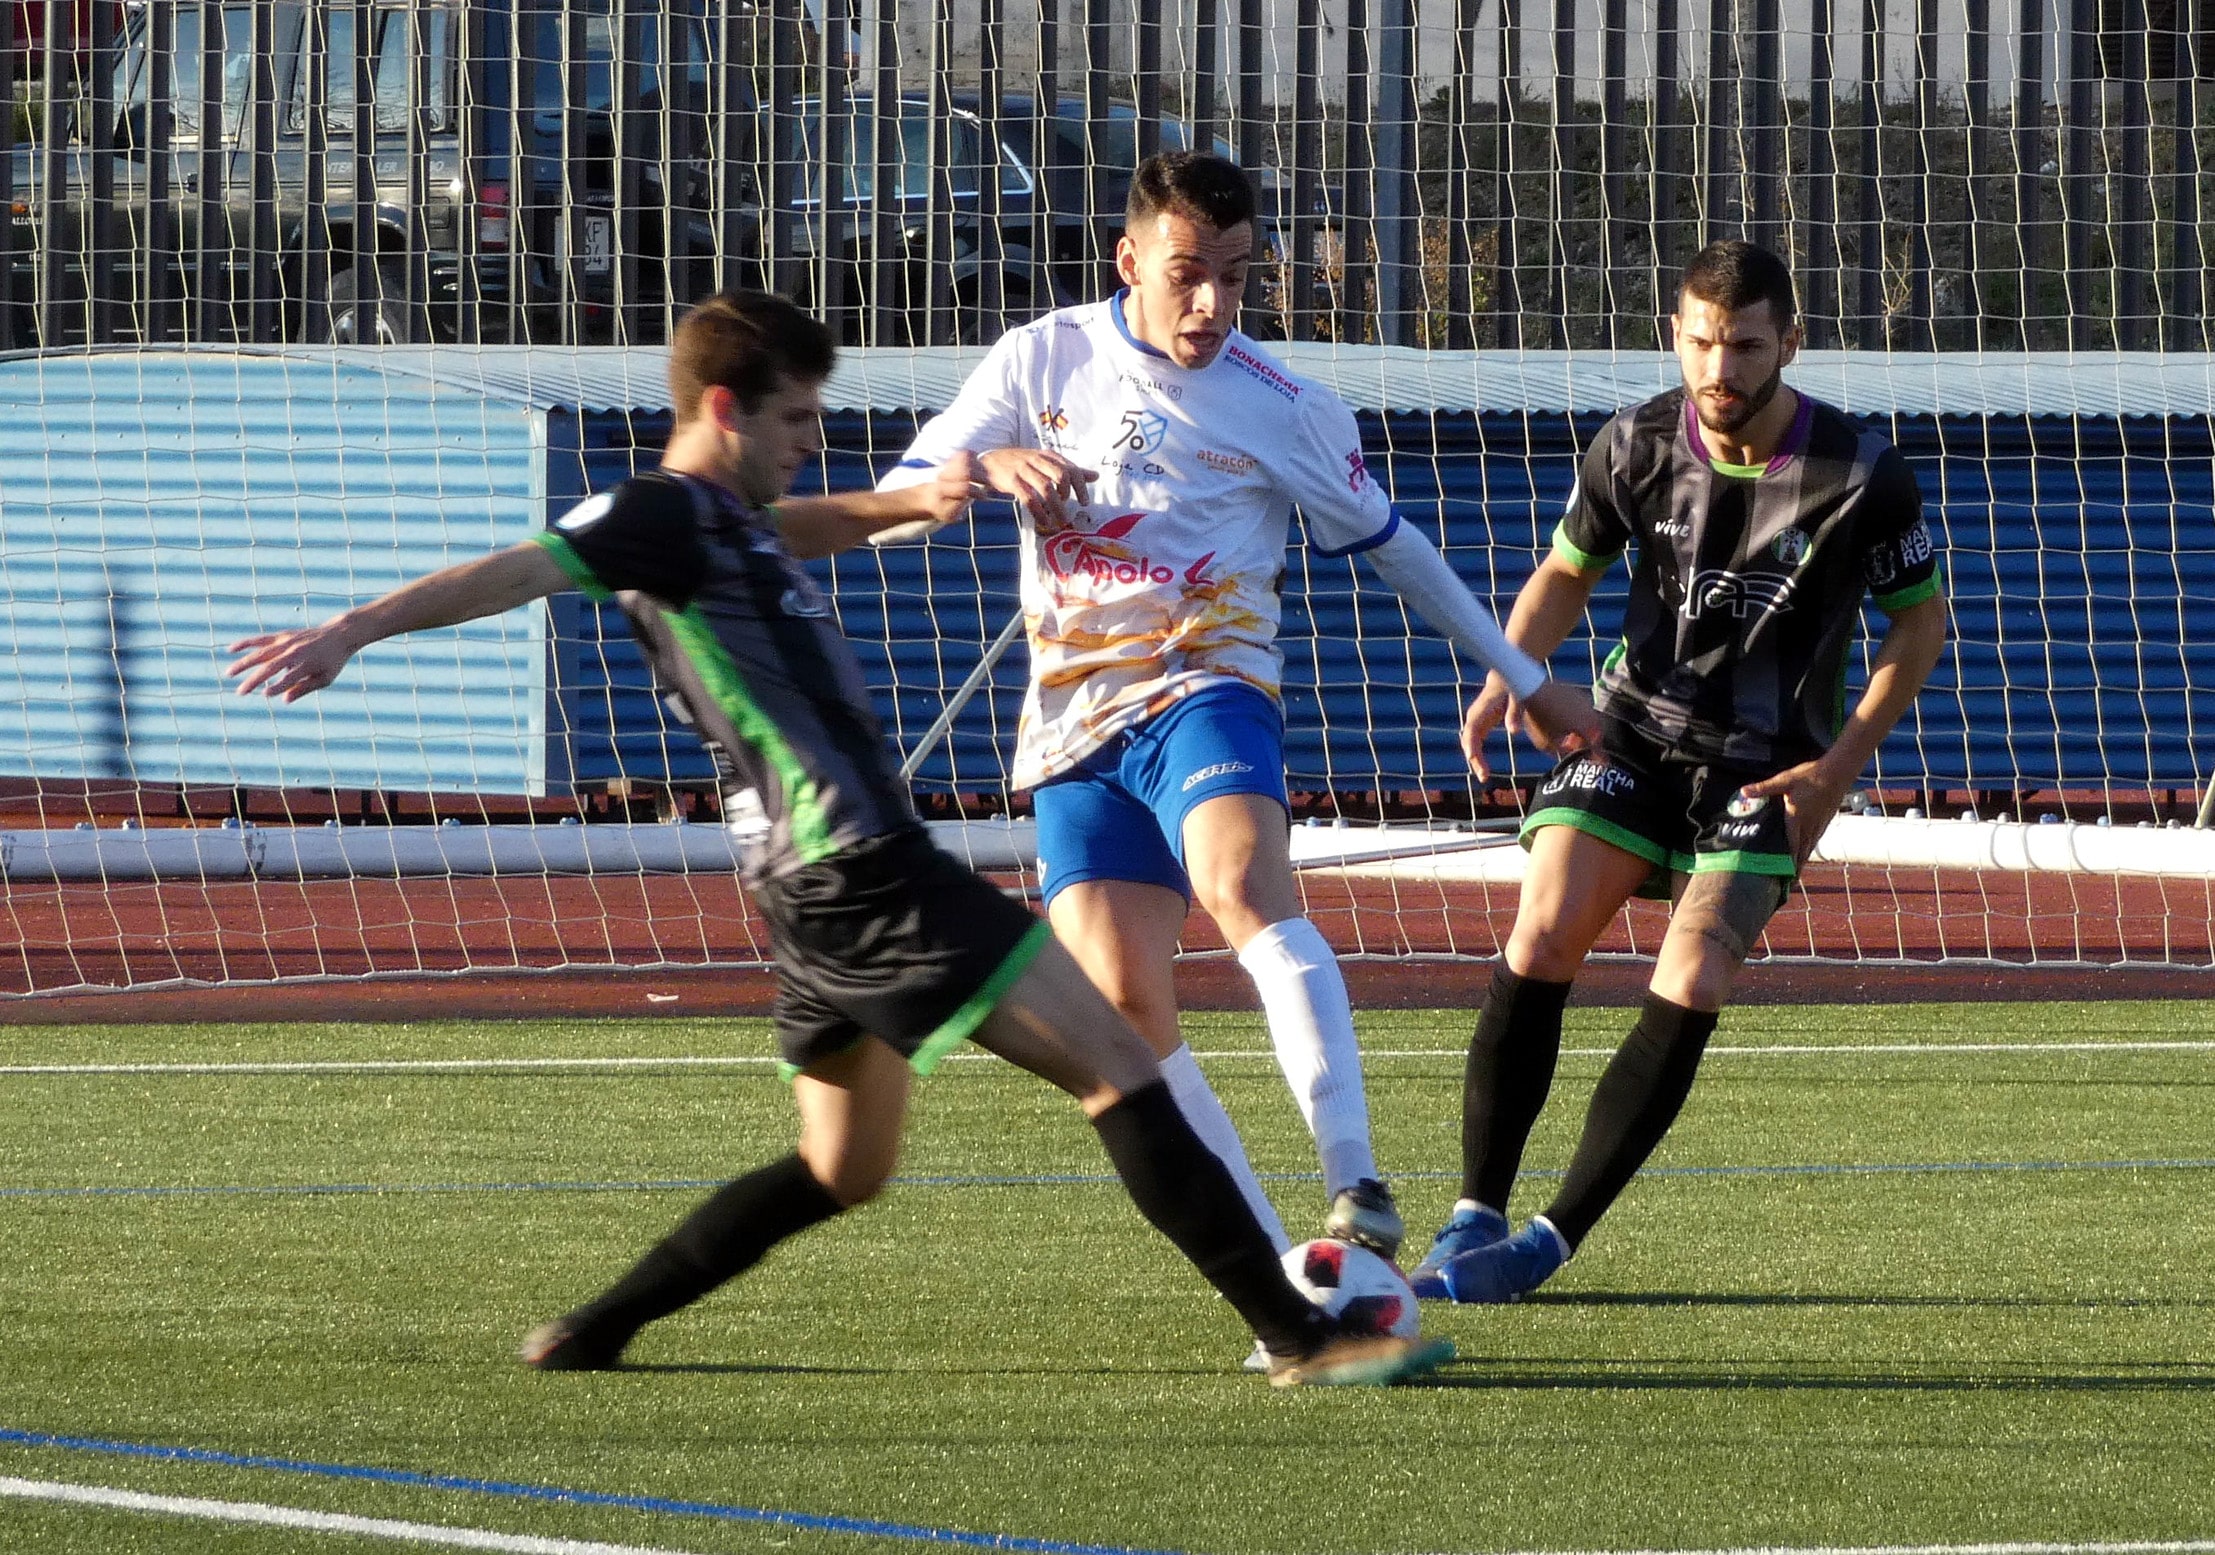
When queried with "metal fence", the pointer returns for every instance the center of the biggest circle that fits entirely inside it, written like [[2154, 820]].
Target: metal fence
[[1946, 174]]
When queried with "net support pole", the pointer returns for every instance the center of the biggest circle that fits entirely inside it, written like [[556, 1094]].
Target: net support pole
[[1399, 245], [993, 653]]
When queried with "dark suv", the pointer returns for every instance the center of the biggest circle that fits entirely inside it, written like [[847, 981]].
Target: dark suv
[[264, 230], [1000, 247]]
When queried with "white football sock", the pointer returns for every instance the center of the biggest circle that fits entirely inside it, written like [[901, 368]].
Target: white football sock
[[1311, 1024], [1196, 1099]]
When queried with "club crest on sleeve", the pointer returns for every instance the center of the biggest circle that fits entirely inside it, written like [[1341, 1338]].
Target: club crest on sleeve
[[586, 513]]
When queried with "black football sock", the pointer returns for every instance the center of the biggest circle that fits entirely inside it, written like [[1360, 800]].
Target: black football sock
[[1187, 1194], [724, 1237], [1510, 1069], [1638, 1097]]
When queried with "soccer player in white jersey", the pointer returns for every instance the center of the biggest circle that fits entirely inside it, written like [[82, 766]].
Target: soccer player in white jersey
[[1158, 455]]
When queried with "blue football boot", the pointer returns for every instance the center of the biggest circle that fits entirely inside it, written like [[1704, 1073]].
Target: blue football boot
[[1506, 1270], [1469, 1230]]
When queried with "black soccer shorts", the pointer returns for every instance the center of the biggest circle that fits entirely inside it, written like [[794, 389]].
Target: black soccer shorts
[[1684, 818], [891, 938]]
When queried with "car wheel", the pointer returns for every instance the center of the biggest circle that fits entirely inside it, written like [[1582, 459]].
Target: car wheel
[[386, 319]]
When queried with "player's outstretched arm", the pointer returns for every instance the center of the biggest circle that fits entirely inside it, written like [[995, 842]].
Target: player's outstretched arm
[[1557, 714], [839, 521], [1554, 714], [1904, 660], [289, 665]]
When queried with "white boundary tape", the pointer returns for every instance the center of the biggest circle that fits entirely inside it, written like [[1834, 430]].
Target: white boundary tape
[[753, 1061], [301, 1519]]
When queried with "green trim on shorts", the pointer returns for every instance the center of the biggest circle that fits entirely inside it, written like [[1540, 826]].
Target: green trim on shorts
[[1596, 826], [956, 1028], [580, 572], [1739, 862]]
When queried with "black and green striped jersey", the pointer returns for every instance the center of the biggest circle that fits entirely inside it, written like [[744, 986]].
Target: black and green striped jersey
[[1747, 585], [744, 647]]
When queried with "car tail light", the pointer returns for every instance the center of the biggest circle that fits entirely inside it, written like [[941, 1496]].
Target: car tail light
[[492, 216]]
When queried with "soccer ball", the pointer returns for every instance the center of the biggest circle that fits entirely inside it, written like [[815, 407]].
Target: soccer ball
[[1366, 1293]]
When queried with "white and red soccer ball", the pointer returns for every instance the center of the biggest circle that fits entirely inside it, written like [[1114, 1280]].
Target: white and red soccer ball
[[1365, 1292]]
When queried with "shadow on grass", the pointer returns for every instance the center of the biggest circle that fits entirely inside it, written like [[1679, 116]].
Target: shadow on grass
[[1474, 1372], [743, 1369], [773, 1369], [1693, 1298]]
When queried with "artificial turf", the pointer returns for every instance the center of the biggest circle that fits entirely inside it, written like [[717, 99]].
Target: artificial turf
[[1935, 1297]]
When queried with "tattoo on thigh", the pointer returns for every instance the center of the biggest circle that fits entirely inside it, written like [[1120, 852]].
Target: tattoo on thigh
[[1729, 909]]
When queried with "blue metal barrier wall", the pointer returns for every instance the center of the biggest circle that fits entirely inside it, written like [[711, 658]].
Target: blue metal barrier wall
[[2079, 555], [155, 506]]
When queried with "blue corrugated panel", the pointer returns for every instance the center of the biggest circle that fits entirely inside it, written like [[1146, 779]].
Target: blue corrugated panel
[[2080, 556], [156, 506]]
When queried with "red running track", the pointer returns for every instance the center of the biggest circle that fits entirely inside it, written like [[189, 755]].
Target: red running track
[[539, 945]]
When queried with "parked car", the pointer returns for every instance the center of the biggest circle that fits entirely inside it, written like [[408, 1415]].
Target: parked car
[[550, 239], [925, 270], [1078, 261]]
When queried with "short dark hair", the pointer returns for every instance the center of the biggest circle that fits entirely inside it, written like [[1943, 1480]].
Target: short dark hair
[[1192, 184], [749, 343], [1734, 274]]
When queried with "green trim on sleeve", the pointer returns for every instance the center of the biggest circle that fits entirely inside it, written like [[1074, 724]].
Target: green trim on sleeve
[[958, 1027], [580, 572], [1569, 551], [1914, 594]]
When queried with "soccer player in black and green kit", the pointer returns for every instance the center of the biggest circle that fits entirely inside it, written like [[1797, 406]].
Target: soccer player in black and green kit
[[1761, 519], [888, 952]]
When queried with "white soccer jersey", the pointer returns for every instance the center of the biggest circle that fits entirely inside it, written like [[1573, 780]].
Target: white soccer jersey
[[1168, 582]]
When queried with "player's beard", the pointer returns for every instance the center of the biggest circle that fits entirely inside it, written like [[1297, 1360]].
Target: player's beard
[[1750, 405]]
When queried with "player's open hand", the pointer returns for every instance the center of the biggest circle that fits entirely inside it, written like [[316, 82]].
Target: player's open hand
[[1491, 708], [1040, 479], [1812, 793], [288, 665]]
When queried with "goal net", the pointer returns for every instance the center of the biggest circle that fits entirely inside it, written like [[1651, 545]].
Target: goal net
[[299, 301], [509, 794]]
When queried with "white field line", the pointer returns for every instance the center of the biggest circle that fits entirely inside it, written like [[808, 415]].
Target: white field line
[[754, 1061], [303, 1520]]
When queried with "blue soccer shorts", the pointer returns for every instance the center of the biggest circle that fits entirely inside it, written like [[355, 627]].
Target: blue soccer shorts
[[1119, 815]]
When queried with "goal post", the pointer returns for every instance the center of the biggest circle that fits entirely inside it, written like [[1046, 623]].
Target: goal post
[[159, 504]]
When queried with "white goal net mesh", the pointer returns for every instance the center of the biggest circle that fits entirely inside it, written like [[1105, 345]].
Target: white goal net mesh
[[510, 795]]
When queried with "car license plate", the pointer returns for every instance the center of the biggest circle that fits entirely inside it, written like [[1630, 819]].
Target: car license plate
[[598, 255]]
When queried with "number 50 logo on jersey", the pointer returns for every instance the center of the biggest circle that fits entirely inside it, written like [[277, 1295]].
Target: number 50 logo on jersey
[[1141, 432]]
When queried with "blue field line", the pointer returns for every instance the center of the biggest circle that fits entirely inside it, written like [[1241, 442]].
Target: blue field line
[[1090, 1179], [720, 1511]]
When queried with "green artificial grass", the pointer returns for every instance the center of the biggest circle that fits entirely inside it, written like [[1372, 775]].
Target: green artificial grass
[[2012, 1342]]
